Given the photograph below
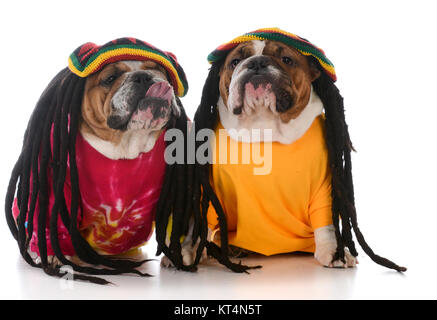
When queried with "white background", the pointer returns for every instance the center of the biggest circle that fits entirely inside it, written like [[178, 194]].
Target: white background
[[385, 58]]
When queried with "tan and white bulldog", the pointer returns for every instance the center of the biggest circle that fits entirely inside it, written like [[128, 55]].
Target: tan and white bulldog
[[266, 84], [95, 146], [125, 108]]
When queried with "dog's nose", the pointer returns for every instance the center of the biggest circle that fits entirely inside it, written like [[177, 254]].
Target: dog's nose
[[258, 63], [141, 77]]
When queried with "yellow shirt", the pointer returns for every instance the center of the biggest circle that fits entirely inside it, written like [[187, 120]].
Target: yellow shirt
[[277, 212]]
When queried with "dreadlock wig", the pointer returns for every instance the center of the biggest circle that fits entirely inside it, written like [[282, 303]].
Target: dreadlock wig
[[337, 146], [46, 202]]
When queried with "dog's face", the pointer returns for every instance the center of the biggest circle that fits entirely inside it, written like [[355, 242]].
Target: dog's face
[[127, 96], [266, 74]]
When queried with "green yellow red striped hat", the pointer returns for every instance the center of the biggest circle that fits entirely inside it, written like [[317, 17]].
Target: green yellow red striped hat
[[300, 44], [90, 58]]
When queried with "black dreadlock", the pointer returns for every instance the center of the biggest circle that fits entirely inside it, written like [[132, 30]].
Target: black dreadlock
[[339, 153], [59, 108], [339, 149], [206, 117], [175, 203]]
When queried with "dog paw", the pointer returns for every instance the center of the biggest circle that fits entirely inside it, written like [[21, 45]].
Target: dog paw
[[325, 256], [188, 257], [166, 262], [326, 246]]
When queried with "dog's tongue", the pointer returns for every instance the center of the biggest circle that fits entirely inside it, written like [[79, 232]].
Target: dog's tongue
[[160, 90]]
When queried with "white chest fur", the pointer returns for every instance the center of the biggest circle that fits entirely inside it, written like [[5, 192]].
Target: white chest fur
[[241, 129], [131, 145]]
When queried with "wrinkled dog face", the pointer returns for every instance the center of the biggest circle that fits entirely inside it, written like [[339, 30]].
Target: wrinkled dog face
[[129, 95], [266, 75]]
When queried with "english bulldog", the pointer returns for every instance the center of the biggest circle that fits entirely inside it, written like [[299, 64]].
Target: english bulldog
[[101, 124], [273, 90], [264, 80]]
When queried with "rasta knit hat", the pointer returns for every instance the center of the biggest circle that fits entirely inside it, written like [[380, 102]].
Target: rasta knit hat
[[90, 58], [300, 44]]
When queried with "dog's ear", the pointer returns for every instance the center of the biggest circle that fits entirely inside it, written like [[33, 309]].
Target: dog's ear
[[206, 114], [314, 69]]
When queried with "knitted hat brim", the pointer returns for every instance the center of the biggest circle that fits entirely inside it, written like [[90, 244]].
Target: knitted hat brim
[[90, 58], [300, 44]]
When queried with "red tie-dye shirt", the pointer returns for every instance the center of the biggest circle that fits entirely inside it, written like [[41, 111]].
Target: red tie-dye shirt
[[117, 200]]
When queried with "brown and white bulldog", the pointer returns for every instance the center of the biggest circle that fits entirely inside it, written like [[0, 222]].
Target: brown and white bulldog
[[265, 84], [125, 108]]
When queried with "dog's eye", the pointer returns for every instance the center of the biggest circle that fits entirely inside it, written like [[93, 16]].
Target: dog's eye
[[234, 62], [109, 80], [287, 60]]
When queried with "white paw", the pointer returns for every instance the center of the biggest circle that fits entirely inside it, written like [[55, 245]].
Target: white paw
[[188, 251], [188, 256], [326, 245], [166, 263], [325, 255]]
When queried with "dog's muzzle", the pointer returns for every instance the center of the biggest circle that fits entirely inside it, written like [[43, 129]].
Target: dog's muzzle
[[142, 102], [263, 83]]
